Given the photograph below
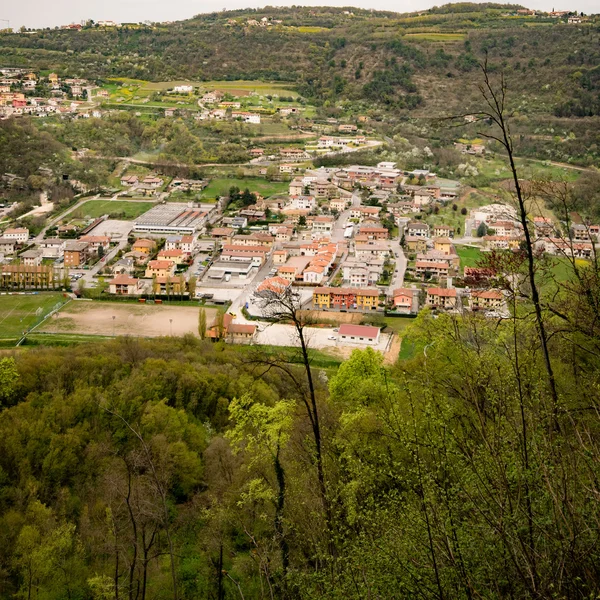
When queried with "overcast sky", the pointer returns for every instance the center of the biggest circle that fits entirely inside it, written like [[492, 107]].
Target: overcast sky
[[41, 13]]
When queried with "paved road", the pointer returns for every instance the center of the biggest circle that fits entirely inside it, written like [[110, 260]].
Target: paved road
[[337, 235], [401, 263]]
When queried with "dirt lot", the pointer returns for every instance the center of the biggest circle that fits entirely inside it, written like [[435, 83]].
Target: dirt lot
[[330, 316], [96, 318]]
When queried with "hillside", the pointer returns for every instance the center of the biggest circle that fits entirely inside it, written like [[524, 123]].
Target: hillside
[[413, 61]]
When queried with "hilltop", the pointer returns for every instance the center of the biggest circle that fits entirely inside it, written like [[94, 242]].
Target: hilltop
[[416, 62]]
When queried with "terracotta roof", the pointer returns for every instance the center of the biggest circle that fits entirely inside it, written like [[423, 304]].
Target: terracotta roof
[[359, 330], [442, 292], [487, 294], [402, 292], [123, 280]]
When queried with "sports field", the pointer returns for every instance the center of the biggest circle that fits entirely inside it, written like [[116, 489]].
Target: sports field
[[20, 312], [117, 209], [120, 318]]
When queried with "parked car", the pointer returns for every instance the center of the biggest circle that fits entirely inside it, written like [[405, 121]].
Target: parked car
[[331, 337]]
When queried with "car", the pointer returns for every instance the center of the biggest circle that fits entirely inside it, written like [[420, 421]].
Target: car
[[336, 330], [331, 337]]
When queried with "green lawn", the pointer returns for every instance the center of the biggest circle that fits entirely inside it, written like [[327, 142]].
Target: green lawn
[[118, 209], [220, 187], [19, 312], [468, 256], [397, 324]]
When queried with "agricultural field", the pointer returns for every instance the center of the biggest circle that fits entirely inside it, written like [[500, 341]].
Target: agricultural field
[[468, 256], [121, 209], [120, 318], [20, 312], [129, 88], [432, 36], [220, 187]]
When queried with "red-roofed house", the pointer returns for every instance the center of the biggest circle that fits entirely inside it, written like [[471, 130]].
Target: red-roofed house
[[403, 299], [123, 285], [359, 334], [441, 297], [486, 299]]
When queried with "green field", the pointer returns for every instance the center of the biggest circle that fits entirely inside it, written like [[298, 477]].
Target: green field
[[145, 88], [437, 37], [220, 187], [468, 256], [121, 208], [20, 312]]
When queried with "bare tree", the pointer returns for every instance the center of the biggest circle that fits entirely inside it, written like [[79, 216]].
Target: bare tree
[[496, 112], [282, 304]]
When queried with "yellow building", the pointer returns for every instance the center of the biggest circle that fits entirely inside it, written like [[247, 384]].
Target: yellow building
[[143, 245], [160, 268], [443, 244]]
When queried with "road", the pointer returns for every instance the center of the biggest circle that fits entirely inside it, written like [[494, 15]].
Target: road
[[401, 263], [337, 235]]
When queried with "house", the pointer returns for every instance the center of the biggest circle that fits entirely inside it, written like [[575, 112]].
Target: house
[[129, 180], [347, 128], [76, 253], [415, 243], [246, 117], [374, 233], [143, 245], [438, 257], [256, 152], [19, 234], [183, 89], [96, 241], [371, 249], [486, 300], [185, 243], [52, 247], [339, 204], [31, 258], [359, 334], [227, 330], [403, 300], [294, 154], [362, 273], [166, 285], [580, 232], [333, 298], [364, 212], [7, 245], [435, 269], [441, 298], [278, 285], [501, 242], [296, 187], [543, 226], [504, 228], [417, 229], [280, 257], [160, 268], [302, 202], [323, 224], [264, 240], [443, 245], [178, 257], [443, 231], [152, 182], [124, 285], [222, 233]]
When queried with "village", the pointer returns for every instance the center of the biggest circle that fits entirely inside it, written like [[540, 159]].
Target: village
[[358, 244]]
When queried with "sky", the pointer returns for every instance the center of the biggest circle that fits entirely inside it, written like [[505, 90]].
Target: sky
[[41, 13]]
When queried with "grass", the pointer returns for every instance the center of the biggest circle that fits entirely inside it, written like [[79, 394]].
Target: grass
[[220, 186], [437, 37], [397, 324], [123, 209], [468, 256], [20, 312], [62, 339]]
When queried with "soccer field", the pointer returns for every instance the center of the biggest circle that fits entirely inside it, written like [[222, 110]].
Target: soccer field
[[20, 312]]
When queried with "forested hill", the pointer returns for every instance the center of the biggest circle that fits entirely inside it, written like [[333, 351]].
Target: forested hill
[[418, 61]]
